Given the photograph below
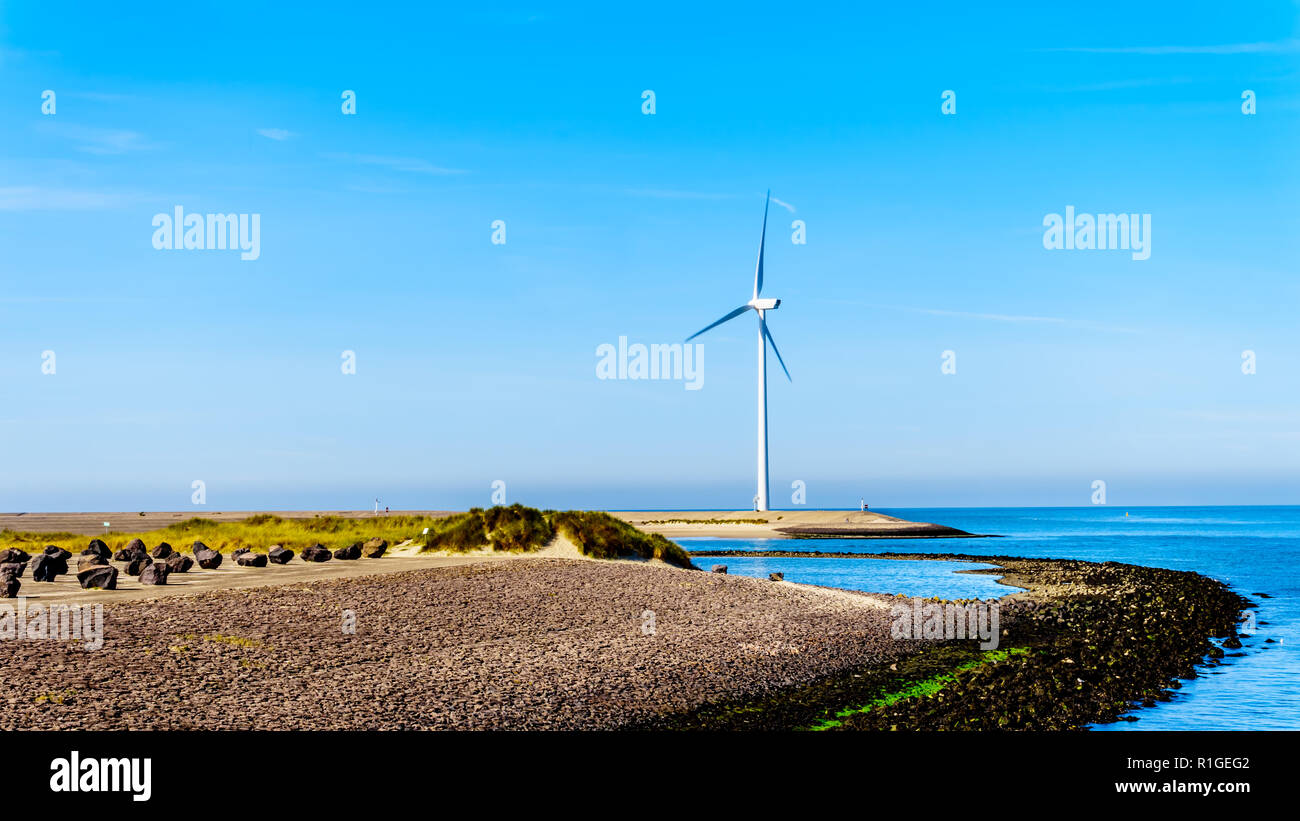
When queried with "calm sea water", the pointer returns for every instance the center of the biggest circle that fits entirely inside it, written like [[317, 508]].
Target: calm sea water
[[1252, 549]]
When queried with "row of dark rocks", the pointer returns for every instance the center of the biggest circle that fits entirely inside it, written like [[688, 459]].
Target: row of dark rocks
[[152, 567], [775, 577]]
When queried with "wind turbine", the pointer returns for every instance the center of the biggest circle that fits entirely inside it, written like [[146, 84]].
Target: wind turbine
[[761, 306]]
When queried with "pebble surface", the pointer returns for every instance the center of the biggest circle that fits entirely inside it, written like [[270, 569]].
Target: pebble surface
[[524, 644]]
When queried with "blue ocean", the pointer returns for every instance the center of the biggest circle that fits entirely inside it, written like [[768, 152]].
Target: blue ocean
[[1255, 550]]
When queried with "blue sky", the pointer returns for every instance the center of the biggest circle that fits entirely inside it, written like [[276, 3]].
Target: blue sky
[[476, 361]]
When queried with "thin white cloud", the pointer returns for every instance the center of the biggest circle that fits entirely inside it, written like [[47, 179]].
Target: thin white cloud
[[20, 54], [1248, 417], [278, 134], [70, 300], [1266, 47], [406, 164], [1049, 320], [523, 19], [994, 317], [787, 206], [368, 188], [37, 198], [100, 140], [668, 194], [990, 317], [1119, 85], [97, 96]]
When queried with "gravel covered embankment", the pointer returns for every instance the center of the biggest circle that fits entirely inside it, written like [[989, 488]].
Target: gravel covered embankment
[[524, 644]]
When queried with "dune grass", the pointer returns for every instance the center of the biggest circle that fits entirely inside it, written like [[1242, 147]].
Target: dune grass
[[516, 529], [256, 532], [601, 536]]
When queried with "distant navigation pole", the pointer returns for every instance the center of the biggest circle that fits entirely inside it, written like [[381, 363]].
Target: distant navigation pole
[[376, 507]]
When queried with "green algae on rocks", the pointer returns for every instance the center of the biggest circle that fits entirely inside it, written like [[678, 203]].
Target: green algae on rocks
[[1085, 643]]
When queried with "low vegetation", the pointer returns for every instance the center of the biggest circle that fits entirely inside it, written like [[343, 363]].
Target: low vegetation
[[256, 532], [520, 529], [515, 529], [920, 688], [602, 536]]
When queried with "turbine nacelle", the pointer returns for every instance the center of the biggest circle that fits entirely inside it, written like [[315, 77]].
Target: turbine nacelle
[[759, 304]]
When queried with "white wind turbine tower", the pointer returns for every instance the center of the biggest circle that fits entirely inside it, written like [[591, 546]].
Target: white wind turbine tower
[[761, 307]]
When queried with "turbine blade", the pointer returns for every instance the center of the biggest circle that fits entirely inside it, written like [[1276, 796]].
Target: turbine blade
[[731, 315], [758, 269], [768, 336]]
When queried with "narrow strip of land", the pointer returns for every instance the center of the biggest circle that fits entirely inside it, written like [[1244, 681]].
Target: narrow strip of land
[[744, 524], [784, 524]]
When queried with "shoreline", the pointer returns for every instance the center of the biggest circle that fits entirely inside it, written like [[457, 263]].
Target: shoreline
[[1083, 643], [538, 642], [786, 524], [775, 524], [560, 637]]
